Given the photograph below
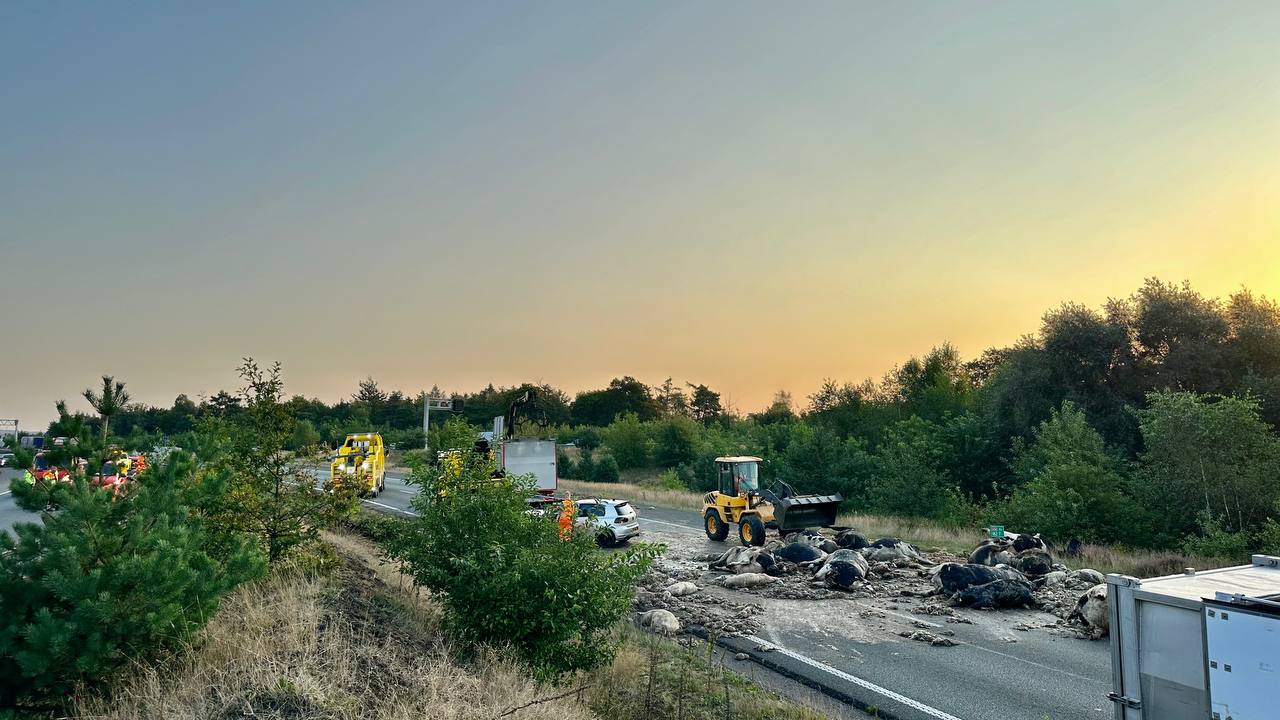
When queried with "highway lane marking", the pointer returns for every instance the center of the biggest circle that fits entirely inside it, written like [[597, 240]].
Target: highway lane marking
[[865, 684], [664, 522], [6, 492], [396, 509]]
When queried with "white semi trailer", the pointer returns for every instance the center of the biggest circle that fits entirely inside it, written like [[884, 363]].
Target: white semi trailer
[[1197, 646]]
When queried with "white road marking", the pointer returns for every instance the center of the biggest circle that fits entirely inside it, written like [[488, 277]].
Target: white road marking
[[865, 684], [663, 522], [396, 509], [6, 492]]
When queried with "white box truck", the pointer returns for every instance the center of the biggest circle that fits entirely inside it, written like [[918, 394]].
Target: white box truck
[[1197, 646]]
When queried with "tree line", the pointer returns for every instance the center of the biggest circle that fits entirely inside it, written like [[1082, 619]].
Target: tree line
[[1149, 421]]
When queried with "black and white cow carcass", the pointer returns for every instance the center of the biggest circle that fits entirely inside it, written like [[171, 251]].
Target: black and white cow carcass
[[851, 539], [1091, 608], [994, 551], [1034, 562], [843, 568], [816, 539], [799, 553], [953, 578], [1023, 542], [999, 593], [740, 559], [893, 551]]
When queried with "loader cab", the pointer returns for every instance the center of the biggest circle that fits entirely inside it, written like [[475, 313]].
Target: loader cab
[[739, 476]]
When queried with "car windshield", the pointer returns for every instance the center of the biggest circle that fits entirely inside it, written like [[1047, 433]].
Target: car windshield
[[747, 475]]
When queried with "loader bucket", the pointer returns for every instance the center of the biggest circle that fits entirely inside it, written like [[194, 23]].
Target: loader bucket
[[806, 511]]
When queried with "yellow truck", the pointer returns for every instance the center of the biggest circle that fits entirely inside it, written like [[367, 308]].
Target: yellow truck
[[361, 463]]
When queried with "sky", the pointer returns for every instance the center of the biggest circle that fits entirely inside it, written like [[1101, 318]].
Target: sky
[[751, 195]]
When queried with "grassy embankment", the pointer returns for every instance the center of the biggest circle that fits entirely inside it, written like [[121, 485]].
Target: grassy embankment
[[357, 641], [637, 486]]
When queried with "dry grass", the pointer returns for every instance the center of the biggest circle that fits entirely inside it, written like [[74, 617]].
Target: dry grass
[[925, 533], [327, 648], [363, 643], [680, 499]]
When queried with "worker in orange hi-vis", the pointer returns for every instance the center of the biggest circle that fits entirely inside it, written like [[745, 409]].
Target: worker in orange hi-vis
[[567, 511]]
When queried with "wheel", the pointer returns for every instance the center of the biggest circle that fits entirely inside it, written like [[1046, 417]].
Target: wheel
[[716, 528], [605, 539], [751, 530]]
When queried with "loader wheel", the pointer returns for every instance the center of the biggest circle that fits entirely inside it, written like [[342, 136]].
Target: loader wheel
[[751, 530], [716, 528]]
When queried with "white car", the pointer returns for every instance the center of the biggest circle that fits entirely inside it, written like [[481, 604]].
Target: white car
[[615, 520], [6, 458]]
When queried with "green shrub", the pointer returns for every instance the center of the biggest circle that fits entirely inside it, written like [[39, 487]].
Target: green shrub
[[676, 441], [586, 468], [628, 441], [606, 470], [1215, 541], [670, 480], [564, 464], [510, 580], [102, 582]]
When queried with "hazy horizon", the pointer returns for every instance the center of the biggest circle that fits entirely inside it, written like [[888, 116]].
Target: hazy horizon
[[746, 195]]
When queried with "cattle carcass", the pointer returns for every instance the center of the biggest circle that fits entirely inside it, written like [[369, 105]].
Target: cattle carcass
[[842, 569]]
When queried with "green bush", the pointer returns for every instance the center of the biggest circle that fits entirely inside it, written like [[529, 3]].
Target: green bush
[[1215, 541], [670, 480], [102, 582], [628, 441], [564, 464], [676, 441], [510, 580], [606, 470]]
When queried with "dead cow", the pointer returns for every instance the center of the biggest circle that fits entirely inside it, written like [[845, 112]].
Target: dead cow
[[842, 569], [800, 552], [663, 622], [993, 552], [892, 550], [740, 559], [953, 578], [818, 540], [851, 539], [1035, 562], [681, 589], [997, 594], [1091, 608], [748, 580]]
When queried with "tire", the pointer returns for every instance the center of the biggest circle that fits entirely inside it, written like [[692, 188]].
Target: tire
[[605, 539], [716, 528], [751, 530]]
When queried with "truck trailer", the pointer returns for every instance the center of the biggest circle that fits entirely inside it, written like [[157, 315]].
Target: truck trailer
[[1202, 645]]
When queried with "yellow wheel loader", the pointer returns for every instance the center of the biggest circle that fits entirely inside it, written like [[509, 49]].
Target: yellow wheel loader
[[360, 464], [740, 500]]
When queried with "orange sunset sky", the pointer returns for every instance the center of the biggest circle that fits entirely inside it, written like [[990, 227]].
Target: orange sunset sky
[[750, 195]]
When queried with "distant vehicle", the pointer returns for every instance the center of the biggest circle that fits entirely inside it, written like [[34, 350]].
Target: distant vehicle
[[360, 463], [32, 442], [6, 458], [614, 520]]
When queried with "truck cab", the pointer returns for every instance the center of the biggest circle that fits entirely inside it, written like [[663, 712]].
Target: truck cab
[[361, 464]]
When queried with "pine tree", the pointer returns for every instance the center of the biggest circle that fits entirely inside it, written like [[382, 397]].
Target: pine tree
[[103, 581]]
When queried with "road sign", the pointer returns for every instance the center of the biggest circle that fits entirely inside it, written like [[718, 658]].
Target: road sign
[[997, 531]]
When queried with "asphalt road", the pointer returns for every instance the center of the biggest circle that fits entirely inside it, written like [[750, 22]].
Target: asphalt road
[[985, 677], [10, 513]]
